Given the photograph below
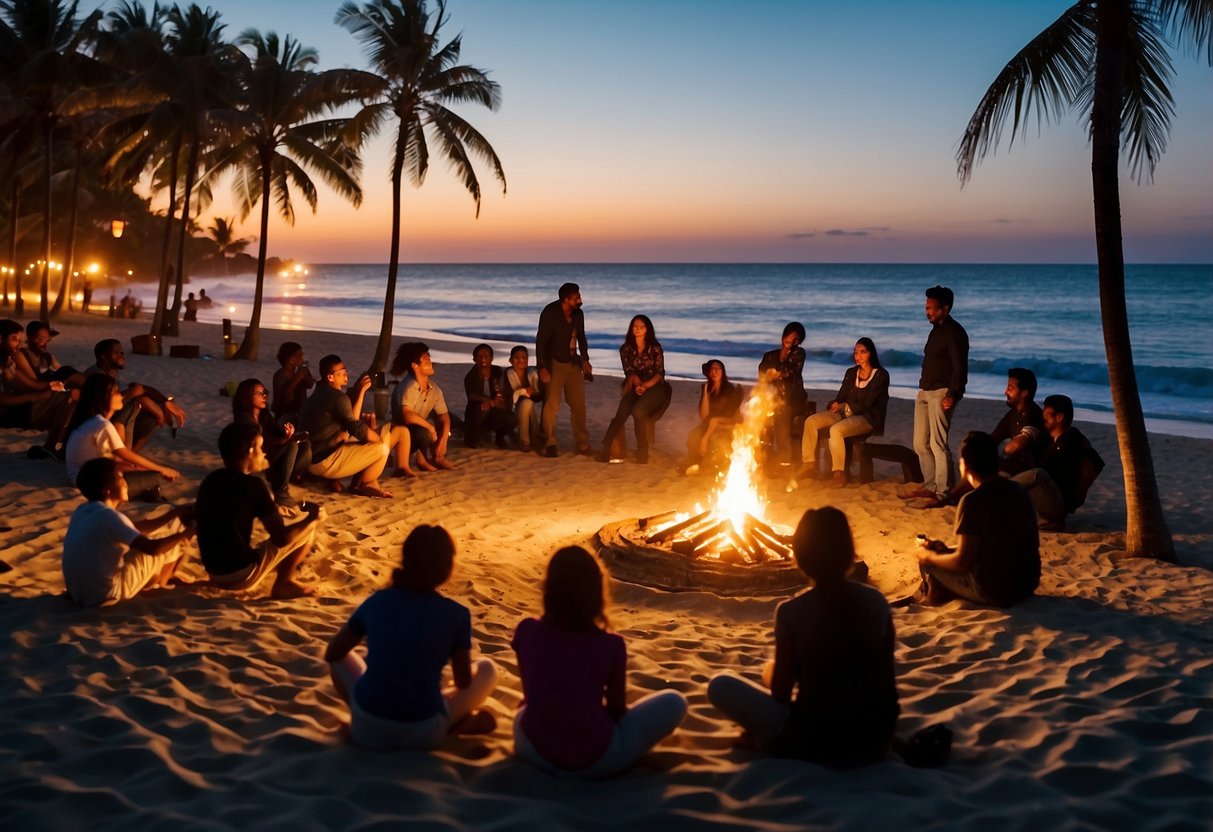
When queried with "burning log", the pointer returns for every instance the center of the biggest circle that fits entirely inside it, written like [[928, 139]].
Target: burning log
[[657, 519], [781, 551], [714, 530], [754, 523], [669, 531], [743, 546], [709, 546]]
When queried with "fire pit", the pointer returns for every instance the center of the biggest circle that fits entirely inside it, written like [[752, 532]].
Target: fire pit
[[729, 548]]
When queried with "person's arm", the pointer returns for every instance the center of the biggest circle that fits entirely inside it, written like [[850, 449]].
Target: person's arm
[[543, 345], [848, 382], [958, 355], [340, 645], [705, 402], [871, 397], [657, 377], [938, 554], [783, 674], [461, 668], [140, 462], [582, 341], [343, 413], [443, 433], [359, 393], [472, 385], [160, 545], [26, 380]]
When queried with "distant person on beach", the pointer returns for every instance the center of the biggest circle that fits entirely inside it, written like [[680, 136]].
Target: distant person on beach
[[91, 434], [191, 308], [858, 409], [419, 407], [42, 361], [711, 441], [575, 718], [834, 646], [488, 410], [343, 445], [996, 561], [412, 632], [945, 372], [289, 452], [106, 556], [28, 403], [204, 300], [146, 409], [644, 394], [291, 381], [524, 392], [782, 372], [1068, 467], [562, 355], [229, 500]]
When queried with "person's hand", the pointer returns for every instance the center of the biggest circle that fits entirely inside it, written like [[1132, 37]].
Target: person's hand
[[170, 474], [703, 445], [57, 386], [288, 429], [74, 395], [640, 388], [545, 376], [586, 369], [948, 403], [364, 383], [835, 407], [134, 391], [176, 412], [440, 445]]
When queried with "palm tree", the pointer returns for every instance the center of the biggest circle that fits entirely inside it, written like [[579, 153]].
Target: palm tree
[[418, 78], [43, 41], [1109, 60], [284, 138], [223, 232]]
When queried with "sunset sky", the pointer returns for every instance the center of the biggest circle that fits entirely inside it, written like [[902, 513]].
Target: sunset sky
[[699, 130]]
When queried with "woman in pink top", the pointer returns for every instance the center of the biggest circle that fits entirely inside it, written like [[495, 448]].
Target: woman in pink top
[[575, 718]]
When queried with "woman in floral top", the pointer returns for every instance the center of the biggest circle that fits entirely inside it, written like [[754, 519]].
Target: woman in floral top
[[645, 393]]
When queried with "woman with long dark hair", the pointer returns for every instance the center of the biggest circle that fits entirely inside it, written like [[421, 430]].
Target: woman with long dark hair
[[644, 394], [288, 453], [719, 413], [858, 409]]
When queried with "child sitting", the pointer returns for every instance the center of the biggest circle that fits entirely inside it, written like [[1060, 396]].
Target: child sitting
[[835, 644], [396, 698], [575, 718]]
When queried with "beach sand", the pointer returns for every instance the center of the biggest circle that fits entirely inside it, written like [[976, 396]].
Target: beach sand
[[1087, 707]]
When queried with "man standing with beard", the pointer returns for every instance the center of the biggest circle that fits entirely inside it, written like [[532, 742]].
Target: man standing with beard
[[562, 354], [945, 372]]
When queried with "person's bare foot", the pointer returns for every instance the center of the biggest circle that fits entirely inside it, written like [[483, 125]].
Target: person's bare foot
[[402, 473], [477, 722], [283, 590], [370, 489], [443, 462], [423, 463]]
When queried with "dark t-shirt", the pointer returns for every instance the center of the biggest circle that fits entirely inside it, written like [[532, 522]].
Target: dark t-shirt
[[410, 636], [846, 701], [228, 502], [1063, 460], [1029, 422], [1000, 515]]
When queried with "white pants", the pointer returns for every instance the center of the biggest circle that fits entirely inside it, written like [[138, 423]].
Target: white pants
[[646, 723], [375, 733]]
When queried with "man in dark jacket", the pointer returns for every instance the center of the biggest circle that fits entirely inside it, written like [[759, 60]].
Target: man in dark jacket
[[945, 372]]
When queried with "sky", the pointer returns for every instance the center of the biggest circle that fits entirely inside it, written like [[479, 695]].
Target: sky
[[757, 131]]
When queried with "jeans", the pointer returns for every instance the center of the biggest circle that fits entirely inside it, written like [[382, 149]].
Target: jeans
[[477, 423], [1046, 498], [931, 425], [646, 722], [644, 411]]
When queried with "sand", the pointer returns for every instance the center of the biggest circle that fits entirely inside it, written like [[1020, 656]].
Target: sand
[[1087, 707]]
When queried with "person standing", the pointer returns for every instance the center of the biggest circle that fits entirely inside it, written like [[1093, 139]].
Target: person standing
[[945, 372], [562, 354]]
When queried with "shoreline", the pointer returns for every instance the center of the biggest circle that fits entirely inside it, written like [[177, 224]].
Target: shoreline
[[1082, 707]]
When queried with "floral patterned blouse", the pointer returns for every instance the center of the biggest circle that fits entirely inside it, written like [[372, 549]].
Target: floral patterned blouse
[[644, 365]]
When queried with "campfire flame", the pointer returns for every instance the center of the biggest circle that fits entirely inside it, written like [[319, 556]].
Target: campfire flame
[[734, 527]]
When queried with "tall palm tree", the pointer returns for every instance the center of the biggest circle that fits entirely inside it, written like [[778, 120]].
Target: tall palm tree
[[419, 77], [284, 137], [223, 232], [1109, 60], [44, 41]]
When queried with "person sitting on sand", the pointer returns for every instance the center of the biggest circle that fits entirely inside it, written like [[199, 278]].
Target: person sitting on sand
[[858, 409], [343, 445], [204, 300], [1068, 466], [291, 381], [711, 441], [644, 394], [782, 371], [419, 407], [42, 361], [107, 557], [575, 718], [289, 453], [91, 434], [28, 403], [228, 501], [191, 308], [412, 632], [526, 396], [146, 409], [997, 559], [487, 408], [834, 645]]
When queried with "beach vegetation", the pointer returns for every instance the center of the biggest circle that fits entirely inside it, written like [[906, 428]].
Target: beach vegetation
[[1108, 60], [419, 80]]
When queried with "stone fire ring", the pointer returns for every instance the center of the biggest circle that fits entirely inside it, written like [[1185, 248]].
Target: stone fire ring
[[623, 550]]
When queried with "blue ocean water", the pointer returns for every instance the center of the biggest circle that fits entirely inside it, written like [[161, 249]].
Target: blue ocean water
[[1041, 316]]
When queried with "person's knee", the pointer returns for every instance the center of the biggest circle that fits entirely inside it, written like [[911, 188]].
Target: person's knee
[[719, 687], [484, 671]]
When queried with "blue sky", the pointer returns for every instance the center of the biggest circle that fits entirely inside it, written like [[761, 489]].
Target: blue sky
[[673, 130]]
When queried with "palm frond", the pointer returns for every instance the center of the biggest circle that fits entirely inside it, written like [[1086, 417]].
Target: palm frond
[[1043, 79], [1148, 104], [1192, 23]]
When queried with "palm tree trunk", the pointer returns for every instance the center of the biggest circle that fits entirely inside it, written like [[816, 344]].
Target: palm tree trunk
[[69, 259], [384, 347], [191, 171], [166, 242], [1146, 531], [15, 208], [47, 139], [252, 335]]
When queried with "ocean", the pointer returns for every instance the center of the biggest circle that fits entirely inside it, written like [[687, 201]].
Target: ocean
[[1045, 317]]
